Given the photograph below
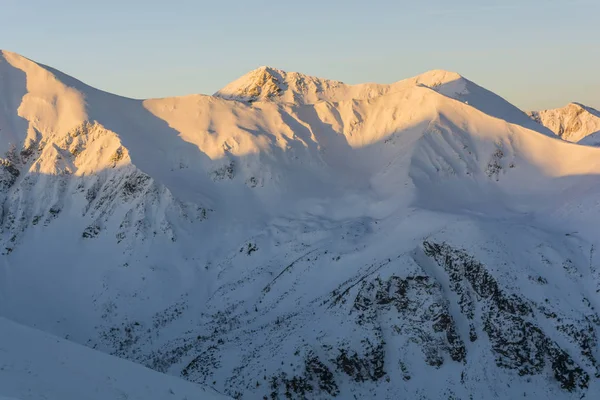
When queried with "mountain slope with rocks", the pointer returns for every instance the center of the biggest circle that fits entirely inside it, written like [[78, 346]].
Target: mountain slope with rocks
[[292, 237]]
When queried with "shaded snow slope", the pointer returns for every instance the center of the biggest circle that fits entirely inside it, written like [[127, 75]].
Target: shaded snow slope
[[296, 237], [35, 365], [573, 122], [591, 139]]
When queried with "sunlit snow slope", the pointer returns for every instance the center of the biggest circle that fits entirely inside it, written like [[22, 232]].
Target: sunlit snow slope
[[295, 237]]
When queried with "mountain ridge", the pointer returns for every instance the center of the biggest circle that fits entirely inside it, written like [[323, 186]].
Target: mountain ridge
[[292, 87], [388, 243]]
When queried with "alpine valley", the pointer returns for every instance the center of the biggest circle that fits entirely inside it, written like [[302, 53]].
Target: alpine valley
[[292, 237]]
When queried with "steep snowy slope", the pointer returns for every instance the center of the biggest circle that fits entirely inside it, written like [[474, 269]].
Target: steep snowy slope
[[573, 122], [312, 241], [35, 365]]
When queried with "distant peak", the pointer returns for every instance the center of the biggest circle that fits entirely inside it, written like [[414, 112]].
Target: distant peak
[[437, 76], [265, 83], [281, 75], [576, 105], [573, 122], [10, 55], [268, 69], [572, 107], [589, 109], [262, 82], [6, 52], [442, 72], [263, 70]]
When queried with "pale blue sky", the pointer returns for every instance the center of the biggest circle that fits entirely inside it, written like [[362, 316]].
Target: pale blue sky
[[535, 53]]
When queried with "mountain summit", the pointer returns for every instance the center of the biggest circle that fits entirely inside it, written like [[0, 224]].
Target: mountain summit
[[267, 83], [294, 237]]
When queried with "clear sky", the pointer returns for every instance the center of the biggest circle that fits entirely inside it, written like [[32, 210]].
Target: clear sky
[[535, 53]]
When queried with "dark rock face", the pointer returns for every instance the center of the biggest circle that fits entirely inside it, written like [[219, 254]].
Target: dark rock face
[[9, 174], [517, 343], [316, 379], [435, 310], [432, 327], [369, 366]]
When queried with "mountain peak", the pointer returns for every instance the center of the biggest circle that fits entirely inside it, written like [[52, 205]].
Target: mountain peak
[[268, 83], [14, 58], [588, 109], [575, 107], [268, 69], [439, 76], [263, 82], [8, 53], [573, 122], [448, 83]]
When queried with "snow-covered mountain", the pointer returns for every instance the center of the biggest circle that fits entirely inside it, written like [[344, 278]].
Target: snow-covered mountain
[[292, 237], [574, 122]]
